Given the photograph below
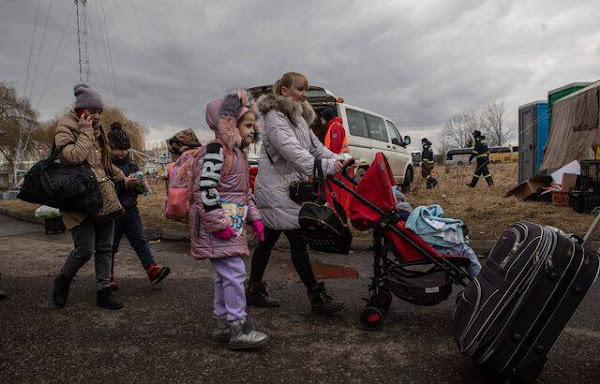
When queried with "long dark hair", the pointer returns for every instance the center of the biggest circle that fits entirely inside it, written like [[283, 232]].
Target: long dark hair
[[105, 149]]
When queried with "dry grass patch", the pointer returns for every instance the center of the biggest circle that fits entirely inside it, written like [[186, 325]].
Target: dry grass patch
[[485, 210]]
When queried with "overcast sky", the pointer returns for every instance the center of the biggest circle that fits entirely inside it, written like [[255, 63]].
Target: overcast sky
[[417, 62]]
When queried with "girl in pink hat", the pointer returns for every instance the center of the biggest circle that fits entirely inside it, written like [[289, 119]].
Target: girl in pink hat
[[222, 204]]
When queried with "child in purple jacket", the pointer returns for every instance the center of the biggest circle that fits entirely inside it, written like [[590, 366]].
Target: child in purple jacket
[[222, 203]]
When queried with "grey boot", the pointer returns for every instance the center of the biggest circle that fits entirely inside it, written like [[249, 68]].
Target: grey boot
[[243, 336], [221, 333]]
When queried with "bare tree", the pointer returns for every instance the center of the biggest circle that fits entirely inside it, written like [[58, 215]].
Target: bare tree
[[497, 132], [18, 119], [458, 129]]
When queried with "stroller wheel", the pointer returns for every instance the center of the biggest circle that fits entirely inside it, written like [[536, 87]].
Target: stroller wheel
[[371, 319], [381, 300]]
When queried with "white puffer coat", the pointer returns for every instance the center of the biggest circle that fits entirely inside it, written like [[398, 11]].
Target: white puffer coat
[[293, 148]]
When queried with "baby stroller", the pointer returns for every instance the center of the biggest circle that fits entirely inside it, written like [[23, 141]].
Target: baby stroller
[[416, 272]]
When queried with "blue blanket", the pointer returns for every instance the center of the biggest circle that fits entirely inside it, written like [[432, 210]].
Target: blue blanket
[[429, 223]]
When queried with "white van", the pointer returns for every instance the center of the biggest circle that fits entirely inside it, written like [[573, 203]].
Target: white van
[[367, 132]]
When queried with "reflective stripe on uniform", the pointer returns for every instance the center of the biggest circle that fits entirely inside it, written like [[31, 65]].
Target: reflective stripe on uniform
[[482, 155], [488, 175]]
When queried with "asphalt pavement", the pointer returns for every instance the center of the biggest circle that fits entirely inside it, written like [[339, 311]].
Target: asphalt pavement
[[162, 334]]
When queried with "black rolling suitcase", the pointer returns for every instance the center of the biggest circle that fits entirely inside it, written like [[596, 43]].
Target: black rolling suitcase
[[513, 312], [54, 225]]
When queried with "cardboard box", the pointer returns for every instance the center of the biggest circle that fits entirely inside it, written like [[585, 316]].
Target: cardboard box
[[569, 180], [560, 198], [529, 189]]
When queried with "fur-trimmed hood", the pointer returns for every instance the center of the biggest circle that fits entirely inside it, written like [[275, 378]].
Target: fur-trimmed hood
[[225, 125], [292, 109]]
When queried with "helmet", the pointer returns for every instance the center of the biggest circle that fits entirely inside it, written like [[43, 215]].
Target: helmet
[[476, 134]]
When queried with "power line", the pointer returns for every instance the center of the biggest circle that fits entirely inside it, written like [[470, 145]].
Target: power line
[[37, 64], [104, 48], [108, 83], [100, 62], [110, 53], [37, 8], [137, 20], [55, 55]]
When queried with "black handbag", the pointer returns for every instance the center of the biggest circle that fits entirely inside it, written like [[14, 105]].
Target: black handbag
[[324, 228], [300, 191], [69, 187]]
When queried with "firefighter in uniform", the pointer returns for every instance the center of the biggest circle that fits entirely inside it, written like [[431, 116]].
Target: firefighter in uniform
[[335, 138], [427, 164], [482, 154]]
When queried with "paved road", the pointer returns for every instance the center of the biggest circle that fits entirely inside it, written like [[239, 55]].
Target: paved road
[[162, 333]]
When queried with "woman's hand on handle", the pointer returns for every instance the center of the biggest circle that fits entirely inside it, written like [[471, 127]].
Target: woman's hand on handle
[[338, 166]]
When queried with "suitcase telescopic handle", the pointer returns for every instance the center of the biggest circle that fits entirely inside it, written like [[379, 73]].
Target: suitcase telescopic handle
[[592, 229]]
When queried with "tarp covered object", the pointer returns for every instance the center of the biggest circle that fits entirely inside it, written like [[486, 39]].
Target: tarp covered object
[[574, 130]]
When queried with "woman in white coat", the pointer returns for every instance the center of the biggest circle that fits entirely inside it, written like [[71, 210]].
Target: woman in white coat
[[288, 154]]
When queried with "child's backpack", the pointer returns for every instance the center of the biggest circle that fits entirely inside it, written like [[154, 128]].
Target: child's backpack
[[180, 182]]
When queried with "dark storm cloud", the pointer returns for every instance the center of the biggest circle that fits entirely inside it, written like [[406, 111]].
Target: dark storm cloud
[[415, 61]]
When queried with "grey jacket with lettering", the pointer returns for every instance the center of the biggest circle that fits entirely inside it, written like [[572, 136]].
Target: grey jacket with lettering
[[288, 153]]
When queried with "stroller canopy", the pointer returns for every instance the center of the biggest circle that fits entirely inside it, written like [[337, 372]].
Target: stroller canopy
[[376, 187]]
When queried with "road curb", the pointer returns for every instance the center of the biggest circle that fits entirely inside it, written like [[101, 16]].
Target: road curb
[[21, 216]]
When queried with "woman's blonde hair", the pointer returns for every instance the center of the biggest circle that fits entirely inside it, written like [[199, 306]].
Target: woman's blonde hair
[[288, 80]]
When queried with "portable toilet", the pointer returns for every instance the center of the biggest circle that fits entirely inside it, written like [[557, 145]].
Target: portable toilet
[[558, 93], [533, 134]]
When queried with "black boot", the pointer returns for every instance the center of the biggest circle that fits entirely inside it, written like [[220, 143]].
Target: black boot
[[431, 182], [490, 181], [60, 294], [473, 182], [105, 299], [323, 302], [257, 295]]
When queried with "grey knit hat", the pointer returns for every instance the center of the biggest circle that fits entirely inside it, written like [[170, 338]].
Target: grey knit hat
[[85, 97]]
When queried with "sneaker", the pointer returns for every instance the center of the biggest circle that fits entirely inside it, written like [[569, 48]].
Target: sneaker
[[60, 294], [157, 273], [222, 331], [323, 302], [257, 295], [243, 335], [113, 282], [107, 300]]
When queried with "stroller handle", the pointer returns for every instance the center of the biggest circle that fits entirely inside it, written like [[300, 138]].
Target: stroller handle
[[344, 172]]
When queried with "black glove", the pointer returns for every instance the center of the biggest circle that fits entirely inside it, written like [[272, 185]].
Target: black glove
[[231, 105]]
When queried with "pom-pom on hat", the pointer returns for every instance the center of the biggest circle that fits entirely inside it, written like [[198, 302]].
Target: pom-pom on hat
[[85, 97], [117, 137]]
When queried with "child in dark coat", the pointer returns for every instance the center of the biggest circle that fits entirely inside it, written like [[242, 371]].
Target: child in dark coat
[[130, 224]]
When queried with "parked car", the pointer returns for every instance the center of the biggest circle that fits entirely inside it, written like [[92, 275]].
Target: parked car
[[368, 133]]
